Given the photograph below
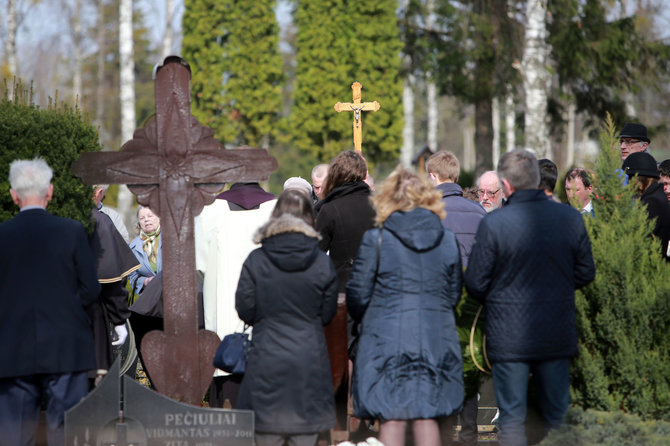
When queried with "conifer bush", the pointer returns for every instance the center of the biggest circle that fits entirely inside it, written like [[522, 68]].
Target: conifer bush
[[597, 428], [59, 134], [623, 316]]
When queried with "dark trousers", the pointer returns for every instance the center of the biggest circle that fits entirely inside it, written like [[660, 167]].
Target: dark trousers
[[510, 379], [469, 432], [224, 388], [21, 402]]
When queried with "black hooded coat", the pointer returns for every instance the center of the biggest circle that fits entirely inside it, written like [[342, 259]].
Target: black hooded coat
[[288, 292]]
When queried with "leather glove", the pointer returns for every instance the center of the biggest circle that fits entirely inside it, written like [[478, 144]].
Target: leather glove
[[122, 333]]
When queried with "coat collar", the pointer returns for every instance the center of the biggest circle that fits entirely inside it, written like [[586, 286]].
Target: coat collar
[[526, 195], [450, 189]]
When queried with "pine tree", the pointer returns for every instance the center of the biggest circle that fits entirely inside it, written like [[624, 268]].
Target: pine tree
[[233, 49], [338, 43], [624, 315]]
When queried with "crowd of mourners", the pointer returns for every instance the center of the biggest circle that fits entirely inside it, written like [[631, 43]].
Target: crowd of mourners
[[350, 290]]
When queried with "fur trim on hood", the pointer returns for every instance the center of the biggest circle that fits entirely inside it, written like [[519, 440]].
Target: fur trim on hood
[[282, 224]]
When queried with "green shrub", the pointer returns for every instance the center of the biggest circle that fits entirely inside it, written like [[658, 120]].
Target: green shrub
[[59, 134], [624, 315], [597, 428]]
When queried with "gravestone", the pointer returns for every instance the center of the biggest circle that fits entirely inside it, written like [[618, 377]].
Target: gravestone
[[121, 412], [175, 166]]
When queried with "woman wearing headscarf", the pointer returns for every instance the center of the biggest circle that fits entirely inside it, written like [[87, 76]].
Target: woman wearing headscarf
[[145, 299], [404, 286]]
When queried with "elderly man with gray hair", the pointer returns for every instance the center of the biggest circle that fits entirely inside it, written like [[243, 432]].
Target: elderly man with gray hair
[[527, 261], [489, 191], [47, 280]]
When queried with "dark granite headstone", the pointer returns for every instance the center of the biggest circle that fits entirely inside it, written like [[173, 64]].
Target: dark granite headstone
[[139, 416]]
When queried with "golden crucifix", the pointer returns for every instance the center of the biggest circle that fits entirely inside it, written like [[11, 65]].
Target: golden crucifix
[[357, 106]]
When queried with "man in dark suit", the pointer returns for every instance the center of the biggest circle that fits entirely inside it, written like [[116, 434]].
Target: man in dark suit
[[527, 260], [47, 279]]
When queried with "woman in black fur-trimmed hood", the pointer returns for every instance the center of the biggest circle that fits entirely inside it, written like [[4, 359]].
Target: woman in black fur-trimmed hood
[[288, 292]]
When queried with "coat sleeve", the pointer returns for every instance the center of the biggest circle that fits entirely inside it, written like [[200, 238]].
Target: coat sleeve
[[245, 296], [481, 264], [136, 281], [362, 280], [455, 277], [329, 308], [585, 270], [87, 276], [114, 298]]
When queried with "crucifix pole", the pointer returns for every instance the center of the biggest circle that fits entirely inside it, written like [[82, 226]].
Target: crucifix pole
[[357, 107], [175, 166]]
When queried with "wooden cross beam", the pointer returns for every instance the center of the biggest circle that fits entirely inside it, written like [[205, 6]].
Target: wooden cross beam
[[175, 166], [357, 107]]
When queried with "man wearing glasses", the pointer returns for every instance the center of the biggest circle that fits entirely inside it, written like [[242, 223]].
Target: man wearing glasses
[[633, 138], [489, 191]]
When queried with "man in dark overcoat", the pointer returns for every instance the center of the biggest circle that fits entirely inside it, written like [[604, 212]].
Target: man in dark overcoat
[[527, 260], [47, 280]]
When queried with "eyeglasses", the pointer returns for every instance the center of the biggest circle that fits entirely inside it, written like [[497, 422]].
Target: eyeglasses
[[483, 193], [628, 142]]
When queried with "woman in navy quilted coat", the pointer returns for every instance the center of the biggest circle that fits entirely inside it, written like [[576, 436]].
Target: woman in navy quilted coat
[[404, 286]]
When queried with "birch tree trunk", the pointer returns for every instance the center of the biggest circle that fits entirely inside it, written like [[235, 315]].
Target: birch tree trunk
[[100, 89], [510, 120], [431, 99], [10, 45], [536, 79], [76, 29], [431, 90], [168, 35], [127, 92], [407, 150], [468, 138], [570, 149], [495, 122]]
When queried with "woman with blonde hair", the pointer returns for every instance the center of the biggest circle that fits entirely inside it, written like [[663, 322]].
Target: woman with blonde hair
[[403, 288]]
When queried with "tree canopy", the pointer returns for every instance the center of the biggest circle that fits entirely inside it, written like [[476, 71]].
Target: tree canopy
[[233, 49], [336, 45]]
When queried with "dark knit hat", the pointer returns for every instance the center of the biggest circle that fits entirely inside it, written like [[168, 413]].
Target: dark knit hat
[[637, 131], [642, 164]]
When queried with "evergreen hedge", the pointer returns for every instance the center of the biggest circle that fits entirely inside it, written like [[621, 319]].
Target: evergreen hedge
[[624, 315], [59, 134], [597, 428]]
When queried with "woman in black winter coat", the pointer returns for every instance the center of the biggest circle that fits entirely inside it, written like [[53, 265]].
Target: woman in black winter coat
[[288, 291], [343, 215], [403, 288], [650, 193]]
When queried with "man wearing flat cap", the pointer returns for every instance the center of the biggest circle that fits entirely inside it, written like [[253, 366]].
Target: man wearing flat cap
[[633, 138]]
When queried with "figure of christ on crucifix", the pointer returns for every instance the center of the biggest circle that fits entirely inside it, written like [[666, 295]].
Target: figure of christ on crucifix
[[175, 166], [357, 107]]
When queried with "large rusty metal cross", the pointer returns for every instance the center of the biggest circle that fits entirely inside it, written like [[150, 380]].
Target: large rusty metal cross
[[175, 166], [357, 107]]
